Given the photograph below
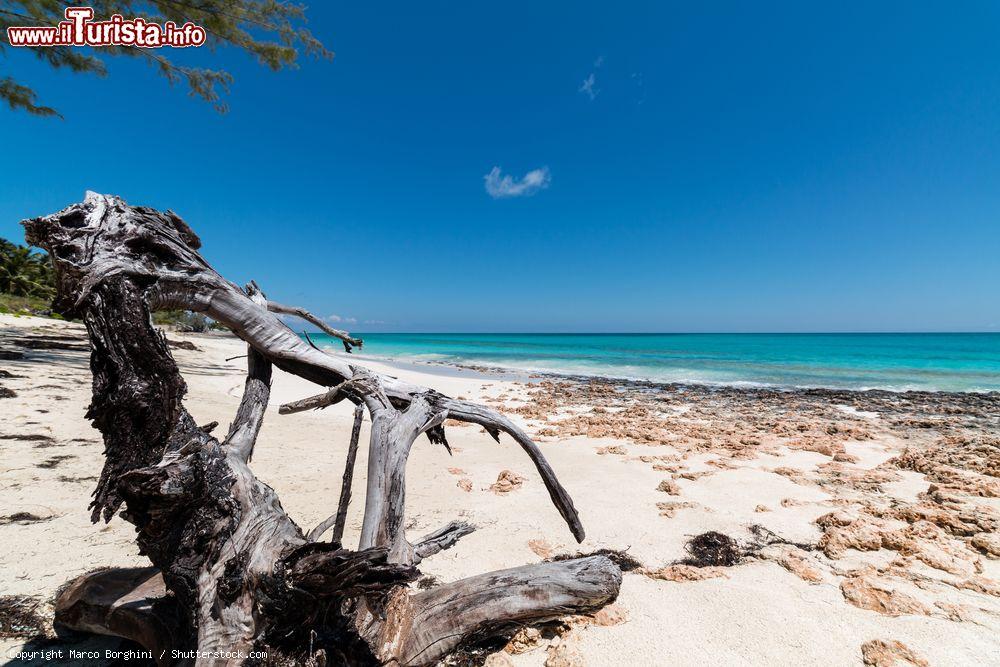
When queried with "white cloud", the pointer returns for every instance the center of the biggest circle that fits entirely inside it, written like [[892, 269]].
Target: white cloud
[[350, 320], [587, 87], [599, 61], [334, 318], [374, 321], [499, 186]]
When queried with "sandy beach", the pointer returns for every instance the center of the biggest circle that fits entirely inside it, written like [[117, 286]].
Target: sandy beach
[[865, 523]]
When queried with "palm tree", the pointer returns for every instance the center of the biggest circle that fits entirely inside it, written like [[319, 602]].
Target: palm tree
[[24, 272]]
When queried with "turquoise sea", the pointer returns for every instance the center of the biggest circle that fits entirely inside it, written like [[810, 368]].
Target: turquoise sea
[[899, 362]]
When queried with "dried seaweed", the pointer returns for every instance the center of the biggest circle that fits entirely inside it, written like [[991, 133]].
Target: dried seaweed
[[713, 549], [26, 436], [22, 517], [19, 617], [54, 461]]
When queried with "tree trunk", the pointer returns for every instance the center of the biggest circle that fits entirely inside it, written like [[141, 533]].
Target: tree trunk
[[233, 573]]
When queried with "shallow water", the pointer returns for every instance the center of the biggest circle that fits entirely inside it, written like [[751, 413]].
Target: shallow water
[[899, 362]]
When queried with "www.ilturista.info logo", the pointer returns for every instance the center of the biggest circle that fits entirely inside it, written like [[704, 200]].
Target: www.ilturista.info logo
[[79, 30]]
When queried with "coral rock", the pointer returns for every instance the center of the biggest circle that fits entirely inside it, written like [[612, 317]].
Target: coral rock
[[669, 486], [565, 652], [541, 548], [506, 482], [879, 653], [864, 594], [612, 614], [683, 573], [987, 543], [524, 640]]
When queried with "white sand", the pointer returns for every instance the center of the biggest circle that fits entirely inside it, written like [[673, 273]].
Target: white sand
[[760, 615]]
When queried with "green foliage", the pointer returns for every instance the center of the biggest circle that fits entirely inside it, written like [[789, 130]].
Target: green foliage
[[271, 31], [24, 305], [27, 285], [24, 272]]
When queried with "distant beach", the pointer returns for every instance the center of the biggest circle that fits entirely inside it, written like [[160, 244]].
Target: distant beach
[[889, 361]]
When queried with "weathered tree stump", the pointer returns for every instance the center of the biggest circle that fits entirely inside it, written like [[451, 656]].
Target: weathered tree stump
[[231, 571]]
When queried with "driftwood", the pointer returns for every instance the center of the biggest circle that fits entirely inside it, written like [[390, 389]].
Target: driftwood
[[232, 573], [123, 602], [339, 520], [304, 314]]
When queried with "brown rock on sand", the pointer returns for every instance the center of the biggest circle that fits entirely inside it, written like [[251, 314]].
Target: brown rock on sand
[[798, 563], [669, 486], [669, 509], [565, 652], [954, 612], [465, 484], [980, 585], [613, 614], [880, 653], [987, 543], [541, 548], [843, 532], [506, 482], [685, 573], [930, 544], [524, 640], [864, 594]]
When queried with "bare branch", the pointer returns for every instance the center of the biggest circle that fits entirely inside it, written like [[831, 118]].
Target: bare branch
[[246, 426], [339, 519], [441, 539], [304, 314], [331, 397]]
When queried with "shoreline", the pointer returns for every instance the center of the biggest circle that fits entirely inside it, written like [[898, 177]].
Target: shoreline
[[510, 374], [884, 507], [950, 362]]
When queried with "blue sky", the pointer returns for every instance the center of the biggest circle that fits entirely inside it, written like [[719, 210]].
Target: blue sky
[[728, 167]]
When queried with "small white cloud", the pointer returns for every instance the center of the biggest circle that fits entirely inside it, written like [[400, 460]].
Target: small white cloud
[[334, 318], [499, 186], [374, 321], [587, 87], [599, 61], [350, 320]]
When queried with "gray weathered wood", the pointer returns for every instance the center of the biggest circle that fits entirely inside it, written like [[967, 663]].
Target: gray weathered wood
[[441, 539], [421, 629], [238, 569], [330, 397], [339, 519], [392, 436], [104, 226], [304, 314], [123, 602]]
